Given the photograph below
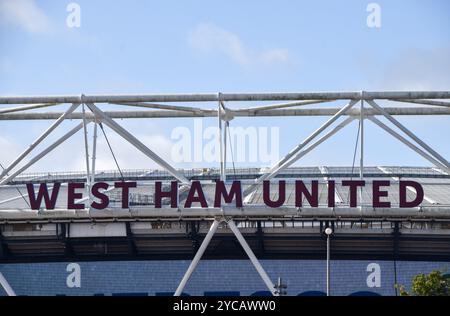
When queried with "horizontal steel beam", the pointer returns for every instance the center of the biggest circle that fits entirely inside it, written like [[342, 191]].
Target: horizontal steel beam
[[26, 107], [425, 102], [255, 211], [211, 97], [240, 113], [282, 105], [162, 106]]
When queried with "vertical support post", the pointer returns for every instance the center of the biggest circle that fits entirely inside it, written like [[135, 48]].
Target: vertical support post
[[86, 147], [2, 246], [260, 234], [225, 151], [5, 285], [361, 140], [197, 257], [131, 245], [219, 118], [253, 258], [65, 235], [94, 152], [395, 236]]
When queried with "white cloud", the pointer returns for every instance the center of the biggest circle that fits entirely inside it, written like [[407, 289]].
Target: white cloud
[[128, 157], [208, 38], [418, 69], [69, 156], [275, 56], [25, 14], [412, 69]]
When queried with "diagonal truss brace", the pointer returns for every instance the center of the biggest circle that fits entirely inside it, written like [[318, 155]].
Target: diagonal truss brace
[[40, 139], [42, 154], [437, 156], [136, 143], [18, 197], [409, 144], [270, 285], [303, 152], [293, 153], [5, 285], [195, 110], [26, 107]]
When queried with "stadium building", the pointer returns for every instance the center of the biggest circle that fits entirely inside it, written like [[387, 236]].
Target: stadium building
[[249, 249]]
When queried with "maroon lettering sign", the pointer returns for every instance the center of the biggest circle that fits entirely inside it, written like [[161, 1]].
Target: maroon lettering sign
[[230, 194]]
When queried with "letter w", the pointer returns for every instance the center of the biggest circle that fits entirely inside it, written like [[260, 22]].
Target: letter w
[[35, 202]]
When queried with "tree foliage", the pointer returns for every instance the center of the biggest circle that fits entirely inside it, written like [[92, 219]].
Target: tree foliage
[[432, 284]]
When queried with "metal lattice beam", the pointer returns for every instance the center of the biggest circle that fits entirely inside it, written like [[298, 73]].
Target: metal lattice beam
[[397, 111], [225, 97]]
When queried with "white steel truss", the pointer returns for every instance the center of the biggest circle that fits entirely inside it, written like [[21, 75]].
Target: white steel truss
[[225, 114], [431, 102]]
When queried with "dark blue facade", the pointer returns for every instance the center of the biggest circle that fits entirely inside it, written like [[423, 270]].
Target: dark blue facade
[[213, 277]]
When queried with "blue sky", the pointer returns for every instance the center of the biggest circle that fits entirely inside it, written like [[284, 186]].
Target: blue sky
[[125, 47]]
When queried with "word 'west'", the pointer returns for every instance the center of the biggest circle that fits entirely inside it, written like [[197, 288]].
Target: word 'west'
[[231, 193]]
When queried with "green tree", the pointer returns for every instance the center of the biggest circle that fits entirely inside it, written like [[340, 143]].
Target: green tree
[[433, 284]]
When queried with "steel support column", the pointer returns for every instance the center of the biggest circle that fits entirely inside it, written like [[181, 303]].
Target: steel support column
[[132, 250], [220, 134], [395, 252], [3, 250], [361, 146], [86, 154], [244, 245], [253, 259], [94, 152], [260, 234], [197, 257]]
